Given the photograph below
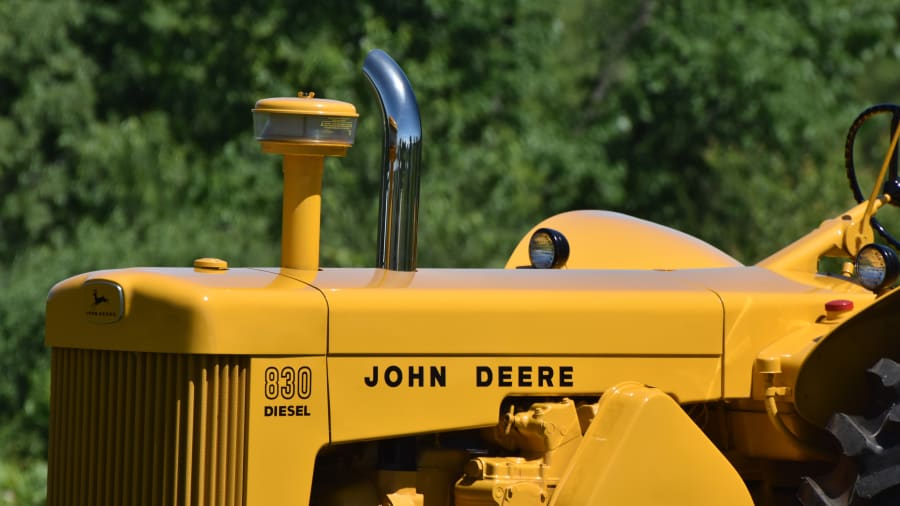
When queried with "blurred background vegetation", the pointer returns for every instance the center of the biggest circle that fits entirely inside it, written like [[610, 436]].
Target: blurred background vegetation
[[125, 135]]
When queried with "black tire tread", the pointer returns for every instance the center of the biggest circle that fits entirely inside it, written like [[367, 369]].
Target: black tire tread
[[872, 442]]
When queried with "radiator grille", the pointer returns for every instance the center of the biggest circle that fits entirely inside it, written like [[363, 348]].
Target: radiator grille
[[147, 428]]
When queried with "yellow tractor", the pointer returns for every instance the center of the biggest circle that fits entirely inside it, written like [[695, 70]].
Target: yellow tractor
[[613, 360]]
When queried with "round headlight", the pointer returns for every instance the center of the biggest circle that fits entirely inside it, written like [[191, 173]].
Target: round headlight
[[548, 249], [877, 266]]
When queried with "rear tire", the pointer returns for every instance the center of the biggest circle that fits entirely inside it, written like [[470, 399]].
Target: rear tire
[[868, 473]]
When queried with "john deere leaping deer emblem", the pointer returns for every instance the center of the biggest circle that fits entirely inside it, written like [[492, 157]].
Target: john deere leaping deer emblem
[[98, 299], [104, 302]]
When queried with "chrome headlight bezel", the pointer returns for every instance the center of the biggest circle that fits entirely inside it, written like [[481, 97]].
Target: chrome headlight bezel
[[876, 266], [548, 249]]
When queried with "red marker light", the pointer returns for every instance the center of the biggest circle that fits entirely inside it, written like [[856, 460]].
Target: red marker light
[[835, 309], [839, 305]]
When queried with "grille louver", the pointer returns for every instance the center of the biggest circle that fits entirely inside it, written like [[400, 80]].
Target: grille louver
[[147, 428]]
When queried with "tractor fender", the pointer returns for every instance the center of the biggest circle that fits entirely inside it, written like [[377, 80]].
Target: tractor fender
[[832, 377]]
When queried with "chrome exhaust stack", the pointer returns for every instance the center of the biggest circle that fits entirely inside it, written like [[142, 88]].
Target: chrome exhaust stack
[[400, 162]]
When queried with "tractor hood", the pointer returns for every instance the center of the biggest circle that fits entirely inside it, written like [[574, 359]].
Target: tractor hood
[[205, 310], [384, 312], [518, 311], [832, 378]]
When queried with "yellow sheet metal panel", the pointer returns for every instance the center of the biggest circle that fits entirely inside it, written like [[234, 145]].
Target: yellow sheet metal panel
[[288, 424], [642, 449], [433, 393], [608, 240], [236, 311], [762, 307], [497, 311]]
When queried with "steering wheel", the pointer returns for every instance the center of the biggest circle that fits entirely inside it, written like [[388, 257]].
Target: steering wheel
[[892, 183]]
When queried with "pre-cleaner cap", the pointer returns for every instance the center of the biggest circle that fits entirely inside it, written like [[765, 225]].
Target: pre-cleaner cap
[[305, 119]]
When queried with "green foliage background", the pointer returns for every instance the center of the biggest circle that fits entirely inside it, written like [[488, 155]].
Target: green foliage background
[[125, 134]]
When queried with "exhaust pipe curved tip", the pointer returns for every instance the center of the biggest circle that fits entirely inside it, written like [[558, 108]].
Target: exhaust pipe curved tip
[[400, 162]]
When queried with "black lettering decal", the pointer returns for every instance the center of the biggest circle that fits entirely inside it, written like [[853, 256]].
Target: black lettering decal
[[416, 373], [393, 376], [304, 382], [483, 376], [565, 376], [271, 383], [372, 380], [545, 376], [287, 410], [524, 376], [504, 376], [439, 376], [287, 385]]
